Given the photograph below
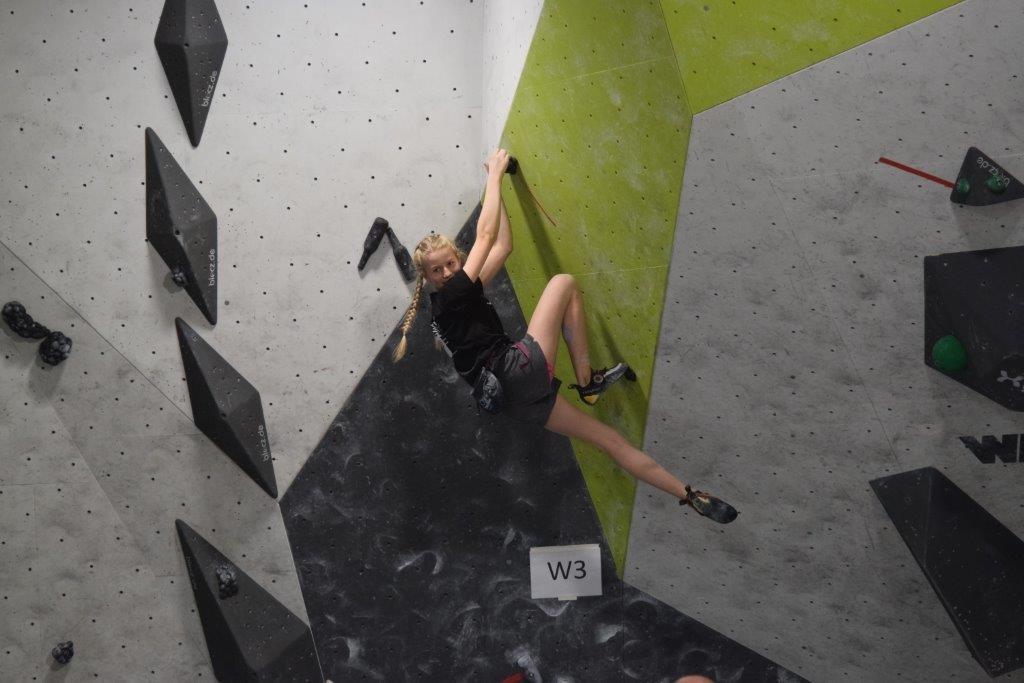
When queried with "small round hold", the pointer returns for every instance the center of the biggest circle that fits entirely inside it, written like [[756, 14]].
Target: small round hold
[[963, 186], [63, 652], [179, 276], [513, 166], [227, 581], [997, 184], [949, 354], [55, 348]]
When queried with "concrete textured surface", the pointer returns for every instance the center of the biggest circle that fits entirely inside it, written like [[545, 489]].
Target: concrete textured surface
[[326, 115]]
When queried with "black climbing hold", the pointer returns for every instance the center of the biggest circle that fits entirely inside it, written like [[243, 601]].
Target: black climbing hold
[[20, 322], [226, 407], [191, 42], [972, 561], [402, 257], [63, 652], [181, 226], [251, 637], [372, 241], [513, 166], [55, 348], [982, 181], [179, 276], [227, 581], [978, 298]]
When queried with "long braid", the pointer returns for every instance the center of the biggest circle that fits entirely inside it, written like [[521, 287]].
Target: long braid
[[410, 315]]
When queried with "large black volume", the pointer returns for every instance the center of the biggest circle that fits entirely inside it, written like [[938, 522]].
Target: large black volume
[[181, 226], [191, 42], [411, 525], [978, 297], [250, 635], [973, 562], [226, 407]]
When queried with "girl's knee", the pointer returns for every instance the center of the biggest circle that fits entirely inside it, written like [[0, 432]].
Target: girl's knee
[[564, 280]]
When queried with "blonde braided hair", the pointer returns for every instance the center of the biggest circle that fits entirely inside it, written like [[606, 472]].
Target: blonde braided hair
[[428, 244]]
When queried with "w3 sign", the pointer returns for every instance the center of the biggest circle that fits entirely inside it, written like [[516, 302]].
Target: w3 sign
[[565, 571]]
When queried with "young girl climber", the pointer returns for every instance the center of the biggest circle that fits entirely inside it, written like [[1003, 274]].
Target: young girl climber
[[465, 323]]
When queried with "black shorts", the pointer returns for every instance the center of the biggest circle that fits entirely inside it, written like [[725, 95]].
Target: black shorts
[[528, 382]]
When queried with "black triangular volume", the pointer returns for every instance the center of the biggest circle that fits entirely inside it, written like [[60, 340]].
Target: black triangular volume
[[973, 562], [181, 226], [191, 42], [982, 182], [226, 407], [978, 298], [250, 635], [415, 567]]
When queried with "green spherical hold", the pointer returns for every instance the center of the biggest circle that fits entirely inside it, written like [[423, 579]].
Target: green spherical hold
[[997, 184], [949, 354], [963, 186]]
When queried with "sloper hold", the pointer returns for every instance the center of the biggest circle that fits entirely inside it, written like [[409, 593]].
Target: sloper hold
[[972, 561], [411, 525], [982, 182], [226, 407], [250, 635], [181, 226], [191, 42], [978, 297]]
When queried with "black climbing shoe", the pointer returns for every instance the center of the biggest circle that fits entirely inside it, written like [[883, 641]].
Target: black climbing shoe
[[709, 506], [601, 380]]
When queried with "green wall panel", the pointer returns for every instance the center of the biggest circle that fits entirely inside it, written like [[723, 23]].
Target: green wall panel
[[729, 47], [600, 126]]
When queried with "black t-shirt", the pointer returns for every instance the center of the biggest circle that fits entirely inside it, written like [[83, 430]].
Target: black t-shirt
[[466, 324]]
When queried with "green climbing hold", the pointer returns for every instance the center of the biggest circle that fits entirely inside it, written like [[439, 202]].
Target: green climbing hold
[[997, 184], [963, 186], [948, 354]]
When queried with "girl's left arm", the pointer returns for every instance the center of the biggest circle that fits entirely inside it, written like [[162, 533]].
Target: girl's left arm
[[501, 249]]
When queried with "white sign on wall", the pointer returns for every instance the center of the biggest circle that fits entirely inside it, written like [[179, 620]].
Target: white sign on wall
[[565, 571]]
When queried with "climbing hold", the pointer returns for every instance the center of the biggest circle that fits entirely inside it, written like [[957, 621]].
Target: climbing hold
[[191, 42], [55, 349], [63, 652], [372, 241], [981, 181], [401, 257], [997, 184], [18, 319], [181, 226], [252, 637], [226, 407], [227, 581], [949, 354]]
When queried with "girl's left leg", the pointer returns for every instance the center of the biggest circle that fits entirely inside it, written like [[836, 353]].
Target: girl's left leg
[[568, 420]]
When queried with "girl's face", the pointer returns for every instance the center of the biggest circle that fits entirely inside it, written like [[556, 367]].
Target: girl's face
[[440, 265]]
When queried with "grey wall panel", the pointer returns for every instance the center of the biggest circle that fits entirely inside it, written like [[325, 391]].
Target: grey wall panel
[[789, 367]]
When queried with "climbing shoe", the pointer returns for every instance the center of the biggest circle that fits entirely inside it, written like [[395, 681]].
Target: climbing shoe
[[709, 506], [601, 380]]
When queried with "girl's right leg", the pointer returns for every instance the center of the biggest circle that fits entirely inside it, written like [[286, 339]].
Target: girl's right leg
[[570, 421], [560, 310]]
